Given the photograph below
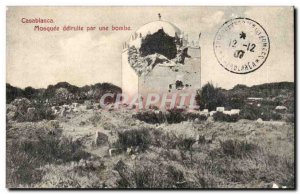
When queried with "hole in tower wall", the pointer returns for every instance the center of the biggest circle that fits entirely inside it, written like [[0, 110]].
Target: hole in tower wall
[[179, 85], [160, 43]]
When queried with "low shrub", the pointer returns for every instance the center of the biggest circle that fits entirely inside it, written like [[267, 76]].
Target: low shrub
[[275, 116], [21, 167], [95, 119], [242, 162], [175, 116], [264, 112], [155, 174], [53, 149], [193, 116], [24, 157], [219, 116], [150, 117], [134, 138], [147, 136], [162, 139], [171, 116], [82, 174], [186, 143], [38, 113], [289, 118], [235, 148], [43, 112]]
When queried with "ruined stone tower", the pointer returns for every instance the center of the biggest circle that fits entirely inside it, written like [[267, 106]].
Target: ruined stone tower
[[159, 58]]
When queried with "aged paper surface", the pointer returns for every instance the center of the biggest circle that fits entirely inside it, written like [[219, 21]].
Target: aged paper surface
[[150, 97]]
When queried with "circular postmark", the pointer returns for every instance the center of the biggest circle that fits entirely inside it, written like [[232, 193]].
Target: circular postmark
[[241, 45]]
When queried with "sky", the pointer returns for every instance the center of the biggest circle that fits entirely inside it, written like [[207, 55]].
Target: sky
[[39, 59]]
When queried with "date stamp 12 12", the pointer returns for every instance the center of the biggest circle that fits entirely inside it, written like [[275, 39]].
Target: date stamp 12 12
[[241, 45]]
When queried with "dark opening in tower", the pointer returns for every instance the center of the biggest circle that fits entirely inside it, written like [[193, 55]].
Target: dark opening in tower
[[160, 43]]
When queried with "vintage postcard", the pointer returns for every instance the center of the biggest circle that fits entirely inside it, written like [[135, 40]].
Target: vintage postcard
[[150, 97]]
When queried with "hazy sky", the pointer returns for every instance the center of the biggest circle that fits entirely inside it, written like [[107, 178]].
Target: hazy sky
[[41, 58]]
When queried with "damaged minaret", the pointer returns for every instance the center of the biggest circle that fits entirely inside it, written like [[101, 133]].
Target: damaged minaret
[[159, 58]]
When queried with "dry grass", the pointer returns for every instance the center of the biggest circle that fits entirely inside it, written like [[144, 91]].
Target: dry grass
[[242, 154]]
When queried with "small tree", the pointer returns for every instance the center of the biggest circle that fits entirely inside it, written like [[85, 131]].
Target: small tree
[[30, 92], [210, 97]]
